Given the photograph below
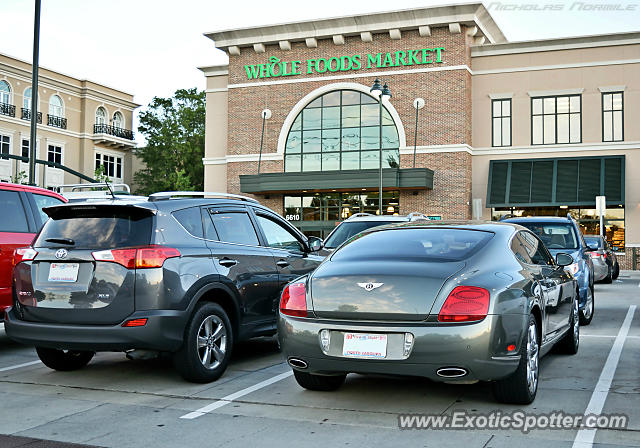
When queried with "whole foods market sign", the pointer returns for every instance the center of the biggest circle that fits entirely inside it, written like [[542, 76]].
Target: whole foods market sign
[[275, 68]]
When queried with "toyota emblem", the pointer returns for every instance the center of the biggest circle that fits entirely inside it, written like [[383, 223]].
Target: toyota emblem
[[61, 253]]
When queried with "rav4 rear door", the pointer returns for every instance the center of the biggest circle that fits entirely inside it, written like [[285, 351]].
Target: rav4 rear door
[[84, 270]]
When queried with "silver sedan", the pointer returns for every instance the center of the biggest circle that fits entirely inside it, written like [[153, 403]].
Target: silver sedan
[[457, 302]]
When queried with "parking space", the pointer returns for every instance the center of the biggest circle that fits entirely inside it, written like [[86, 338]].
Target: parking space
[[123, 403]]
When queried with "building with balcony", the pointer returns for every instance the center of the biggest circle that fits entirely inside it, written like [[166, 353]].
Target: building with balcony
[[520, 128], [81, 125]]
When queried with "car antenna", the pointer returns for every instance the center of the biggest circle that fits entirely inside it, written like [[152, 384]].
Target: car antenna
[[110, 190]]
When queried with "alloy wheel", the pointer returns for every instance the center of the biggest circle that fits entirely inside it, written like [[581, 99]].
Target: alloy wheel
[[532, 359], [576, 324], [588, 307], [212, 342]]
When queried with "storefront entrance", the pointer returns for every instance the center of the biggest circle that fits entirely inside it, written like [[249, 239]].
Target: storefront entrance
[[317, 214]]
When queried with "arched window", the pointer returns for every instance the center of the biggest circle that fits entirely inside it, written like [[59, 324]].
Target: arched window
[[26, 98], [101, 115], [340, 130], [118, 120], [55, 106], [5, 92]]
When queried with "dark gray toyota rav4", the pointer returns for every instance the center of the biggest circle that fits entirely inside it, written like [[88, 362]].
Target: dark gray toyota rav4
[[189, 276]]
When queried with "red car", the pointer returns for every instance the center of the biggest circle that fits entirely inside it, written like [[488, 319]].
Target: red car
[[21, 217]]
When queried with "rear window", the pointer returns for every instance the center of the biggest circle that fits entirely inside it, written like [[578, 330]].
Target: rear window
[[347, 229], [593, 241], [437, 244], [554, 235], [96, 230]]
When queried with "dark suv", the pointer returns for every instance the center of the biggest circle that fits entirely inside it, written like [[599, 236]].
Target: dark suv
[[190, 276], [562, 234]]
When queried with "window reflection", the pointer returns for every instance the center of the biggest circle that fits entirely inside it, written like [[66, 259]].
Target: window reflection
[[341, 131]]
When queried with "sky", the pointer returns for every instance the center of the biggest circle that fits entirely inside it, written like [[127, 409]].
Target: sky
[[153, 47]]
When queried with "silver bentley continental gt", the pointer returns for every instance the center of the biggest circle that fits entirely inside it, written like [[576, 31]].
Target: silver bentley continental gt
[[452, 301]]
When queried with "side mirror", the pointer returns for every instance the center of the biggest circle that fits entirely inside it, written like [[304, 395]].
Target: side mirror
[[563, 259], [315, 243]]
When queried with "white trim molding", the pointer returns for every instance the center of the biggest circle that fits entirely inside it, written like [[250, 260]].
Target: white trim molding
[[215, 70], [555, 67], [462, 147], [293, 113], [536, 93], [430, 149], [241, 158], [500, 96], [609, 89], [217, 90], [546, 149]]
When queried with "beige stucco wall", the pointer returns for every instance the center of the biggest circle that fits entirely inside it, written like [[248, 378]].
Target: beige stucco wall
[[215, 175], [589, 78], [80, 100], [519, 74]]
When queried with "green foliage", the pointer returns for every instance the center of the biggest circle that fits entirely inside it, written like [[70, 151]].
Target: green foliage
[[100, 175], [174, 130], [20, 178]]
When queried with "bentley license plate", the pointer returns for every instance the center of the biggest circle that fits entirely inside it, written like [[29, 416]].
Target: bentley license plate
[[364, 345]]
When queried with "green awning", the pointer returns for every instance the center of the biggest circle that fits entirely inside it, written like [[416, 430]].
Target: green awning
[[393, 179], [572, 181]]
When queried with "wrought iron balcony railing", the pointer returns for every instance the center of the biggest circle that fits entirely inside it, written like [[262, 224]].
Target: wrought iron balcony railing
[[26, 115], [56, 122], [7, 109], [112, 130]]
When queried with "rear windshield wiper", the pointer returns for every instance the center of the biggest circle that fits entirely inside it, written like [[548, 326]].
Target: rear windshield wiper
[[67, 241]]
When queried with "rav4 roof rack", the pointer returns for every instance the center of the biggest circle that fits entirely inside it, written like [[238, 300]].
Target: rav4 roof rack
[[358, 215], [93, 186], [166, 195]]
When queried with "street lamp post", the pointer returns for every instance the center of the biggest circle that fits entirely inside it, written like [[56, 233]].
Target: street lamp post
[[266, 114], [384, 91]]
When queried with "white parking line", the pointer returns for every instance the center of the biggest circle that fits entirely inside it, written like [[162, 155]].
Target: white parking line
[[585, 437], [582, 335], [230, 398], [17, 366]]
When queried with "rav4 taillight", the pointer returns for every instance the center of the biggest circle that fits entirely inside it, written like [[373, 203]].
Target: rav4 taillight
[[24, 254], [294, 300], [143, 257], [465, 304]]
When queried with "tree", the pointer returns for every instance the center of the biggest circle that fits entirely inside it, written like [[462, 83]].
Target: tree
[[174, 130]]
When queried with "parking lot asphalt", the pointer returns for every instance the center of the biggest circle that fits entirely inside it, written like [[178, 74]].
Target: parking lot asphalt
[[116, 402]]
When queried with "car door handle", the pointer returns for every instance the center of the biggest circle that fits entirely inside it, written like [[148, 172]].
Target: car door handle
[[227, 262], [282, 263]]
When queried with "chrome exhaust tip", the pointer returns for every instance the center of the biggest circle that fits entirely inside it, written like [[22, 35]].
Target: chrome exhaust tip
[[297, 363], [451, 372]]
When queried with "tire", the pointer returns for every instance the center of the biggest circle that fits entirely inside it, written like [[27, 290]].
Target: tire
[[616, 271], [207, 345], [522, 386], [609, 277], [586, 314], [319, 382], [570, 343], [64, 360]]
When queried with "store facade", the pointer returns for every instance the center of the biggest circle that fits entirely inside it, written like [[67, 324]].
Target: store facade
[[526, 127]]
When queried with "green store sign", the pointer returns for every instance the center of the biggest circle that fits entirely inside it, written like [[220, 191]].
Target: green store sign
[[275, 68]]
